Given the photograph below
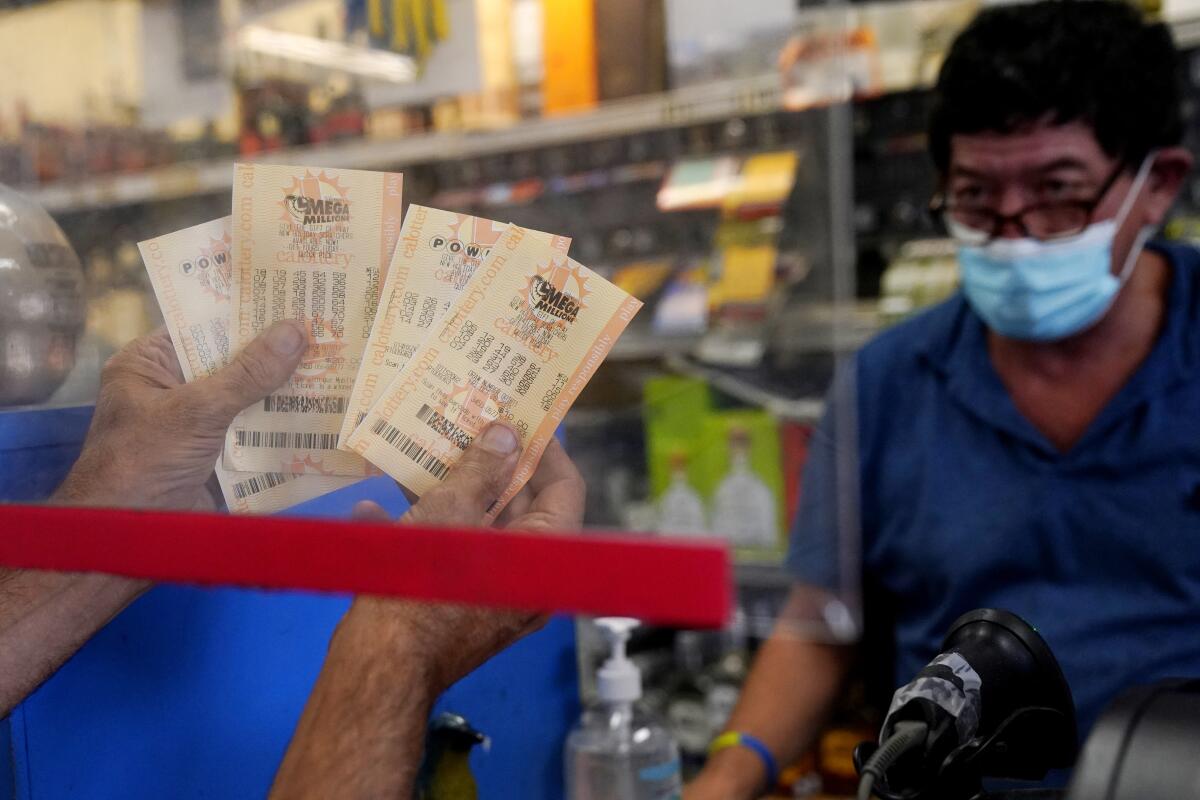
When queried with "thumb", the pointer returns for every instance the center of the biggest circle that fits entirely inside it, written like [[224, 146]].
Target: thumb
[[369, 511], [258, 369], [475, 482]]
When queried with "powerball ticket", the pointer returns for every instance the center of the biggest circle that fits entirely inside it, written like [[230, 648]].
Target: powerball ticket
[[314, 245], [519, 343], [190, 271], [436, 256]]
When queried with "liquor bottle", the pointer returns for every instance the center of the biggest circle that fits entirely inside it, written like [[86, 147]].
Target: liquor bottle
[[743, 506], [681, 510]]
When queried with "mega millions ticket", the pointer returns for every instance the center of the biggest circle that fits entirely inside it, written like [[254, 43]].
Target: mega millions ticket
[[522, 339], [191, 274], [436, 256], [314, 245]]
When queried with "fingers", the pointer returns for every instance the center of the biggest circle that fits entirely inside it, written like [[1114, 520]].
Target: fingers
[[516, 508], [148, 360], [260, 368], [558, 494], [477, 480], [160, 349], [369, 511], [555, 467]]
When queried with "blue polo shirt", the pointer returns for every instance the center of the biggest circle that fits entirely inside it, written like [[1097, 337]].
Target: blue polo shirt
[[964, 504]]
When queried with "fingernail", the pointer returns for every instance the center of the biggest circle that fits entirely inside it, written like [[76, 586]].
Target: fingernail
[[285, 339], [499, 439]]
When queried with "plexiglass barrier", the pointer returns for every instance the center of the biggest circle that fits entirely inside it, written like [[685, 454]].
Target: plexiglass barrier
[[284, 263]]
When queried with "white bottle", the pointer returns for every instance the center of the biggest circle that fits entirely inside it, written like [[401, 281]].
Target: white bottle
[[743, 506], [681, 509], [618, 752]]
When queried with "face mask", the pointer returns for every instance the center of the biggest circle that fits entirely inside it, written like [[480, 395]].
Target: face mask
[[1043, 291]]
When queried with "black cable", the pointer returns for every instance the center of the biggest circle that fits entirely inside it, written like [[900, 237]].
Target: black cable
[[905, 736]]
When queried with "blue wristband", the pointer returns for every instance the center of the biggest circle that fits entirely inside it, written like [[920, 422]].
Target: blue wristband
[[753, 743]]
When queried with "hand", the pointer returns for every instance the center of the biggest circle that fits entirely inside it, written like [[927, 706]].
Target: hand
[[154, 439], [454, 640]]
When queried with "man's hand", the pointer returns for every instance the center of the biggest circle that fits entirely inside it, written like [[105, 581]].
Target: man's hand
[[363, 729], [154, 439], [152, 444], [460, 638]]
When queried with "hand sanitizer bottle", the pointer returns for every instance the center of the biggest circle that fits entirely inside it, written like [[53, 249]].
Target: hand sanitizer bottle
[[619, 752]]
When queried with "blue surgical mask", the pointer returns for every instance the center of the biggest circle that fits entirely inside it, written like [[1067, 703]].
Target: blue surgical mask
[[1044, 291]]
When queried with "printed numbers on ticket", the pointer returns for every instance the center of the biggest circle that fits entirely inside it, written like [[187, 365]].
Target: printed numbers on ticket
[[314, 245], [519, 343], [437, 254], [191, 274]]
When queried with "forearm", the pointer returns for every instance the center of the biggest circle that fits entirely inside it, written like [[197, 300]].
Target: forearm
[[363, 730], [45, 617], [784, 703]]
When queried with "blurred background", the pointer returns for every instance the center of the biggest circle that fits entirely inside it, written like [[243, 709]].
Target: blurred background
[[755, 172]]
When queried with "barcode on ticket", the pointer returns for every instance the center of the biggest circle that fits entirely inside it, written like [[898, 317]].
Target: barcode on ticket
[[300, 404], [259, 483], [439, 424], [428, 461], [286, 440]]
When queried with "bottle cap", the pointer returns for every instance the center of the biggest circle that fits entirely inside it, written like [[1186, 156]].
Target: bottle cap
[[618, 680]]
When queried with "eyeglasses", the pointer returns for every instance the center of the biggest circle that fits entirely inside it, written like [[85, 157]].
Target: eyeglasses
[[1051, 219]]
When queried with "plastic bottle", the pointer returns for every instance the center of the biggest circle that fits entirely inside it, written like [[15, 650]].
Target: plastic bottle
[[726, 676], [618, 752], [687, 691]]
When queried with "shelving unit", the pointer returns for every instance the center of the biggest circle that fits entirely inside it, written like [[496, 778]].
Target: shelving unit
[[802, 409], [696, 104], [691, 105], [722, 361]]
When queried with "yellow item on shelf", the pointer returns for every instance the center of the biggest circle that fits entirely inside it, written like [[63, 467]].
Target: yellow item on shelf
[[421, 33], [401, 42], [411, 27], [375, 23], [569, 50], [441, 20], [643, 278], [765, 181], [747, 275]]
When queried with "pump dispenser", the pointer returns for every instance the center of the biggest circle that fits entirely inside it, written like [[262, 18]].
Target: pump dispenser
[[617, 751], [618, 680]]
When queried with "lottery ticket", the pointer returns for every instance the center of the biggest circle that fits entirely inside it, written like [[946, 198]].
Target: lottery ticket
[[314, 245], [190, 271], [519, 343], [436, 256]]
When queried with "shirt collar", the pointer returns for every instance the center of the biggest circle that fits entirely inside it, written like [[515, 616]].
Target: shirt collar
[[957, 351]]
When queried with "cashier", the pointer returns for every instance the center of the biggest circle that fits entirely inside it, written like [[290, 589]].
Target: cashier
[[1033, 443], [153, 443]]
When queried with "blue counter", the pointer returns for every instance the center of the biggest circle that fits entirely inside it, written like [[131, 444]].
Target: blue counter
[[193, 693]]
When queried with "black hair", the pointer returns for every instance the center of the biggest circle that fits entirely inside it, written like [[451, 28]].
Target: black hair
[[1099, 62]]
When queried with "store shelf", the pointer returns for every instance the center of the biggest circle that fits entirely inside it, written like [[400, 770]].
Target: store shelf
[[691, 105], [806, 410], [825, 327], [761, 574], [644, 345], [1187, 32], [694, 104]]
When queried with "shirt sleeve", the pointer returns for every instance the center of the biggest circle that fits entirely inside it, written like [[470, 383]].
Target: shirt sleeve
[[828, 495]]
